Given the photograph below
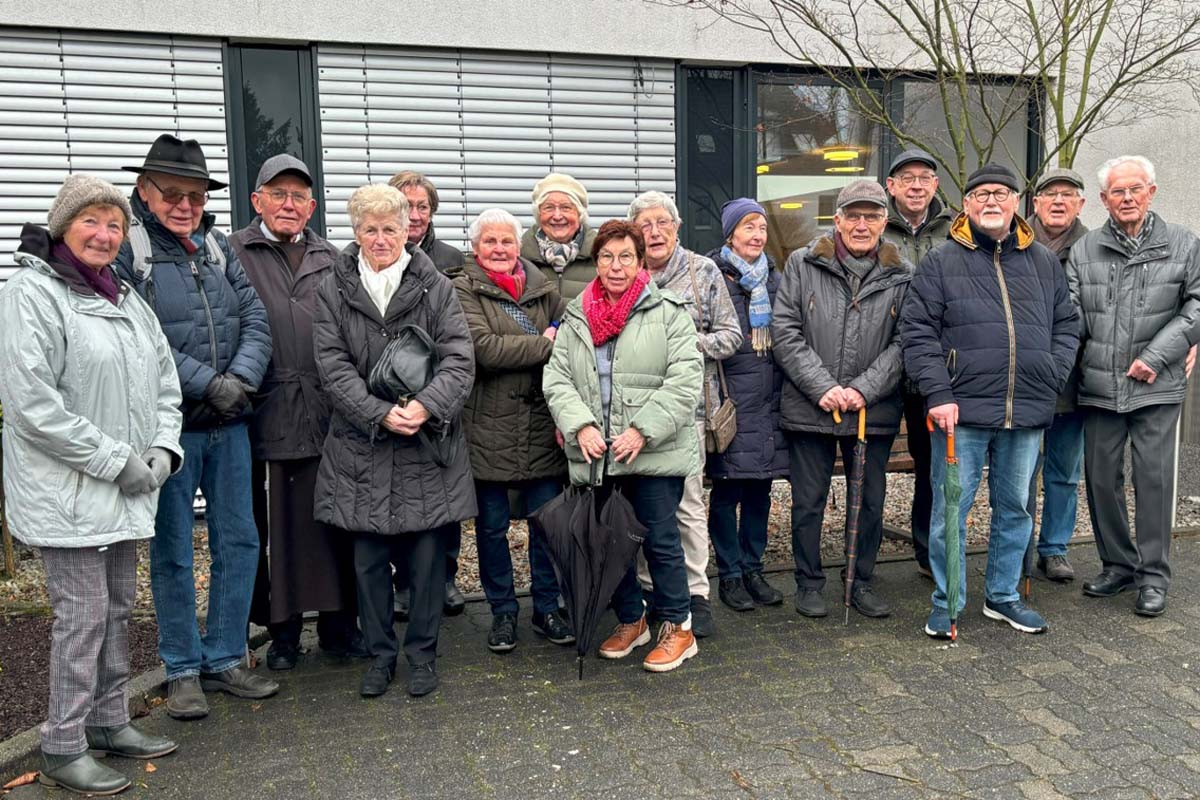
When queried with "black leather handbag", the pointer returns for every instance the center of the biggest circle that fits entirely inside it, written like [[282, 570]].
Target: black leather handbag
[[405, 368]]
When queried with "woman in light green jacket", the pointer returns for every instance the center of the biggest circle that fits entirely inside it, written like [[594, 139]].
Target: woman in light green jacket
[[622, 383]]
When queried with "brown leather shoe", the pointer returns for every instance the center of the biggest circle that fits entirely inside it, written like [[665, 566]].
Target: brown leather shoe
[[624, 638], [675, 645]]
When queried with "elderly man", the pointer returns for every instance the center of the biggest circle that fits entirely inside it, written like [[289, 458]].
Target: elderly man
[[1057, 201], [219, 335], [696, 279], [423, 202], [307, 568], [1136, 280], [836, 341], [917, 222], [976, 302]]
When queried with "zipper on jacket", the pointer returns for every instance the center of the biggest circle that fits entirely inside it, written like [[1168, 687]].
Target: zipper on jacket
[[212, 329], [1012, 341], [1142, 287]]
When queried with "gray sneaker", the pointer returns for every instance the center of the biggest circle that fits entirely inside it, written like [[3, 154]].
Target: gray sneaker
[[1056, 568], [239, 682], [185, 698]]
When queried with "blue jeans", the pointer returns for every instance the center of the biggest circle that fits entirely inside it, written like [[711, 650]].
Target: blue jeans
[[218, 462], [655, 502], [1062, 461], [1011, 456], [491, 540], [739, 544]]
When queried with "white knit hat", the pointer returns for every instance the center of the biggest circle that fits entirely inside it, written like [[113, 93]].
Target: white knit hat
[[561, 182], [79, 191]]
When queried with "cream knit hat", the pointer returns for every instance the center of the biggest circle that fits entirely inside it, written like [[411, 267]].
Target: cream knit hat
[[561, 182], [77, 193]]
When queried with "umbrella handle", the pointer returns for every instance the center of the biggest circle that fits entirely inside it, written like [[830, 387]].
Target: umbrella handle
[[950, 459], [837, 416]]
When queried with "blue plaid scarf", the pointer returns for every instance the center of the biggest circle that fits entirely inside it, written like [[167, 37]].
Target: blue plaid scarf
[[753, 280]]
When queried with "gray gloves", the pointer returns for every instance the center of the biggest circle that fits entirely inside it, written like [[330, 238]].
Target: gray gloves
[[136, 477], [227, 395], [159, 462]]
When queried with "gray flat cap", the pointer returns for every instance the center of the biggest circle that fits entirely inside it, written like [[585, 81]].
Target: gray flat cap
[[275, 166], [1059, 175], [911, 155], [862, 191]]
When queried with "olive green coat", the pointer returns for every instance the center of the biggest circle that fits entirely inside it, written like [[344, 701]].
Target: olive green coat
[[508, 426], [657, 374], [576, 275]]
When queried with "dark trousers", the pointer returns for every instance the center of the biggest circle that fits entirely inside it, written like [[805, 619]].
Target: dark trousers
[[919, 449], [1151, 432], [491, 541], [655, 501], [452, 535], [811, 463], [739, 543], [423, 555], [334, 629]]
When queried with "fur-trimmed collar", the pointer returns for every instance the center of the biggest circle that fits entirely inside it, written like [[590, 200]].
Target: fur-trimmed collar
[[825, 250]]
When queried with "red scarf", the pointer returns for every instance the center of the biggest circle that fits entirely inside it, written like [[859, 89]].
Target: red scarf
[[606, 319], [511, 282]]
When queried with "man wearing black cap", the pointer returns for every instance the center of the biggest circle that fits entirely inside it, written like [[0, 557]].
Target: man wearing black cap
[[218, 332], [304, 567], [917, 223], [976, 301]]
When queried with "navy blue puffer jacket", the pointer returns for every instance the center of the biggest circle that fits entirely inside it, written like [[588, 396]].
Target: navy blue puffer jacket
[[222, 329], [755, 383], [990, 326]]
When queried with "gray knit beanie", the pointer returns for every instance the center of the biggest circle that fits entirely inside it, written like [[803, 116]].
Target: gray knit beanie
[[77, 193]]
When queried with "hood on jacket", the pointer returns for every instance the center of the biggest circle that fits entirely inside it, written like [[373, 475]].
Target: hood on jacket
[[34, 252], [961, 232], [824, 250]]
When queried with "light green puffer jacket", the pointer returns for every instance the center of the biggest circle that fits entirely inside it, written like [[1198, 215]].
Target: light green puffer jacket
[[657, 374]]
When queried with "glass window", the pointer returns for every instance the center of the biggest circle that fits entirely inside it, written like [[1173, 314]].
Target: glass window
[[711, 146], [1008, 111], [810, 144]]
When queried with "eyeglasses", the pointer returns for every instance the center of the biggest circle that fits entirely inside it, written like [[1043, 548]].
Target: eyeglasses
[[626, 259], [1136, 190], [279, 196], [987, 195], [660, 224], [1059, 194], [422, 209], [174, 197], [921, 180], [552, 209], [869, 217]]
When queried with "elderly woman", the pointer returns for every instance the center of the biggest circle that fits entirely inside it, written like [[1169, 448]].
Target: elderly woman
[[561, 243], [423, 202], [697, 279], [625, 367], [742, 475], [379, 480], [512, 311], [91, 404]]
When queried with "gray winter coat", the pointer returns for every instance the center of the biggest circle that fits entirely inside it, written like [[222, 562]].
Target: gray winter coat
[[825, 335], [1143, 306], [372, 480], [86, 383], [291, 414]]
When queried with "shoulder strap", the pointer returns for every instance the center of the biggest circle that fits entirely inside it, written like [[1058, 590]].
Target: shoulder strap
[[139, 241], [215, 253], [700, 324]]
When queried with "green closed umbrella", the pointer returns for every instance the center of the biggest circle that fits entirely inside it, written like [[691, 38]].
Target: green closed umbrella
[[854, 497], [954, 555]]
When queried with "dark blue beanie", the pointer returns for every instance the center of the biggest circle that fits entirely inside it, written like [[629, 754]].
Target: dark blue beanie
[[735, 210]]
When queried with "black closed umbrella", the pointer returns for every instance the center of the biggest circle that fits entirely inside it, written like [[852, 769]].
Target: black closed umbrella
[[406, 367], [593, 541]]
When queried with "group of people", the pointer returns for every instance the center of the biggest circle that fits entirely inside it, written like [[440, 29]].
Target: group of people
[[146, 355]]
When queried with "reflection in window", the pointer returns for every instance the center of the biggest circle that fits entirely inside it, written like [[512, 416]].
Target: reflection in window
[[811, 143], [710, 145]]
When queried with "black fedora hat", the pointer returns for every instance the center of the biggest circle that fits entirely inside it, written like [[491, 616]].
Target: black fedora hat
[[175, 156]]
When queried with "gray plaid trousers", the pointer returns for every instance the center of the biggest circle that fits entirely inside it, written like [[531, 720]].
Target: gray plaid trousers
[[92, 592]]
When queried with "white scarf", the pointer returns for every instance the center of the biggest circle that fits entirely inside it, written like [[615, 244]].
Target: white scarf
[[383, 284]]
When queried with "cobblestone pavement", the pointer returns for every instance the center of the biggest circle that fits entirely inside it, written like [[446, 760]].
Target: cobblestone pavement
[[1105, 705]]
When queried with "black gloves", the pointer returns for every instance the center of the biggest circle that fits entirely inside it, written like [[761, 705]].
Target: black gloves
[[227, 395]]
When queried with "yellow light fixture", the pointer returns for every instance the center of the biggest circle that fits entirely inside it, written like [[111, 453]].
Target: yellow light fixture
[[840, 155], [845, 169], [762, 169], [791, 206], [823, 217]]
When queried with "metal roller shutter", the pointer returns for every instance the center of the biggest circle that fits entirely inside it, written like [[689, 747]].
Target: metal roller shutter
[[75, 102], [485, 126]]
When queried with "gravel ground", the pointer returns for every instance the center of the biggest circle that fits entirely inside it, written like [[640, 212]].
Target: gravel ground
[[26, 592]]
